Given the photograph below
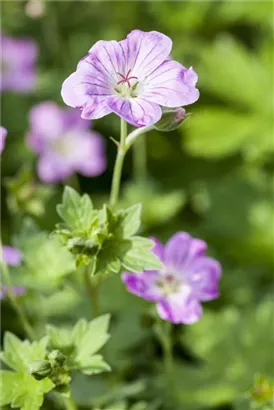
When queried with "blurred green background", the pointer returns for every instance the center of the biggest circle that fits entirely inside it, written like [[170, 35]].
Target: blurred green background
[[213, 177]]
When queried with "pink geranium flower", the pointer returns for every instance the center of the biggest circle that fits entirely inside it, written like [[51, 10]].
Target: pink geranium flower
[[132, 78], [188, 278]]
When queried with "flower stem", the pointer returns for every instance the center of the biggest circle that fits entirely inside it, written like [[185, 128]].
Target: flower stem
[[116, 180], [132, 137], [140, 159], [6, 276], [163, 332], [70, 403], [92, 285]]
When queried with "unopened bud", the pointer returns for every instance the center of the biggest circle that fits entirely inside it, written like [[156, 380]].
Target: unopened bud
[[171, 119], [57, 357], [40, 369]]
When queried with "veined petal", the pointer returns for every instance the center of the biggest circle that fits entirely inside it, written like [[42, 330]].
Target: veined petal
[[78, 87], [143, 285], [171, 85], [136, 111], [96, 107], [144, 51], [107, 58], [180, 308]]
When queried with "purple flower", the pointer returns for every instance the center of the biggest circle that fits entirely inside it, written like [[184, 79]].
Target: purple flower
[[64, 143], [189, 278], [132, 78], [3, 134], [13, 257], [18, 64]]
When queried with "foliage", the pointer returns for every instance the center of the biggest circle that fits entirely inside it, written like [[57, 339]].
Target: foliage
[[213, 177]]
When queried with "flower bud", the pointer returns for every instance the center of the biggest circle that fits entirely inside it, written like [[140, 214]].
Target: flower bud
[[40, 369], [57, 357], [171, 119]]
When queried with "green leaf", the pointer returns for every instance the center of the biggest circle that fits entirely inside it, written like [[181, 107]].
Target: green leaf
[[217, 132], [140, 257], [75, 210], [131, 220], [45, 262], [20, 388], [81, 343], [8, 382]]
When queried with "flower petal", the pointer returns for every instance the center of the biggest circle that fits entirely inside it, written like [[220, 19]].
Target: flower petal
[[181, 249], [11, 256], [158, 248], [178, 308], [97, 107], [144, 51], [89, 158], [3, 135], [136, 111], [46, 122], [143, 285], [171, 85], [203, 274], [53, 168]]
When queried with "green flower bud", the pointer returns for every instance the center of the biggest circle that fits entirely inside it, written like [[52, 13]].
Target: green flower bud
[[57, 357], [40, 369], [171, 119]]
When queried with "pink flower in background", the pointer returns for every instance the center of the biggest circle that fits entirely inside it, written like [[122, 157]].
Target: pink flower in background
[[64, 143], [3, 135], [18, 58], [132, 78], [188, 278], [12, 257]]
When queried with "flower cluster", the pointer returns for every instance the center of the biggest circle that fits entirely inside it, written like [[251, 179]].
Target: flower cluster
[[132, 78], [189, 277], [64, 143]]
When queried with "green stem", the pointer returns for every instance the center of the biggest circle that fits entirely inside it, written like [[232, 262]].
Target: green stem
[[140, 159], [70, 403], [6, 276], [92, 284], [163, 332], [116, 180], [132, 137]]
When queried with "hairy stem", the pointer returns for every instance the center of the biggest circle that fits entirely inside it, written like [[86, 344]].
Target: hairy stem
[[21, 314], [116, 180], [140, 159]]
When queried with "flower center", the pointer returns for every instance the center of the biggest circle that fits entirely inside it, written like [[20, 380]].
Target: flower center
[[169, 283], [124, 88], [64, 146]]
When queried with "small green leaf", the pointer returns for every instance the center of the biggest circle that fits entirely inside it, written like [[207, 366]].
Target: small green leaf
[[131, 220], [20, 388], [81, 343], [8, 382], [76, 210], [140, 257]]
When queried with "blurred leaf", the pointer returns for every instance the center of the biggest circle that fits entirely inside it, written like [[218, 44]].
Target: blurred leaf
[[20, 388]]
